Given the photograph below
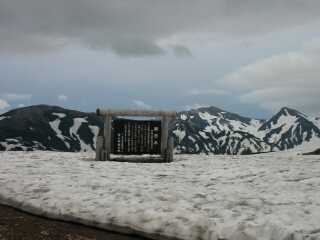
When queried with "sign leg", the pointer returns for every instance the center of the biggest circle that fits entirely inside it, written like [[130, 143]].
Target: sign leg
[[107, 138], [169, 156]]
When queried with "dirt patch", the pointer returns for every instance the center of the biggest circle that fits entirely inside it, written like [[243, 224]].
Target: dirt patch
[[18, 225]]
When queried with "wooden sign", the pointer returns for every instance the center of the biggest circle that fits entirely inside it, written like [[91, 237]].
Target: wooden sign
[[135, 137]]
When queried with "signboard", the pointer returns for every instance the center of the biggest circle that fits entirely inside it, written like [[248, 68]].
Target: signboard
[[134, 137]]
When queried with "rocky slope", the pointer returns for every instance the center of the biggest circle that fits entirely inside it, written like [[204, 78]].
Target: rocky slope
[[203, 130]]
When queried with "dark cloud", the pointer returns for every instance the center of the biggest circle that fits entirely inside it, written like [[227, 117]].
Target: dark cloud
[[135, 27], [181, 51], [136, 47]]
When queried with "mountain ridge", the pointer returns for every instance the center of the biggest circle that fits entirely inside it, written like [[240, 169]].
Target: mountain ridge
[[202, 130]]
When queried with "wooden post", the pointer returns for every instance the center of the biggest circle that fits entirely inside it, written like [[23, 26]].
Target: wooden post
[[107, 138], [170, 150], [164, 136], [99, 148]]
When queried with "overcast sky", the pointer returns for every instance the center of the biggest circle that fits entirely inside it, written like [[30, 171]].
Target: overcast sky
[[246, 56]]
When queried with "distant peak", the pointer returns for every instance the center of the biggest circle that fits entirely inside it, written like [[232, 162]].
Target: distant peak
[[211, 109], [289, 111]]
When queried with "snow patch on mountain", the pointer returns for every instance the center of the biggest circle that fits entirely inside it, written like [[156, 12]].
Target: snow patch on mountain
[[77, 122], [317, 121], [207, 117], [12, 144], [4, 117], [76, 125], [55, 127], [180, 134], [211, 129], [183, 117], [203, 134], [60, 115], [95, 131]]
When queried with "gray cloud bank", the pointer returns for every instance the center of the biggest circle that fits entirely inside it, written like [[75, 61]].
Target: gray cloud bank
[[291, 79], [135, 27]]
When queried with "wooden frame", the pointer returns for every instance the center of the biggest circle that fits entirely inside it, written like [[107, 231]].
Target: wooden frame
[[103, 146]]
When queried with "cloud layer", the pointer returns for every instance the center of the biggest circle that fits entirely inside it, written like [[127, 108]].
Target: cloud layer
[[16, 96], [141, 104], [62, 98], [290, 79], [3, 104], [135, 27], [208, 91]]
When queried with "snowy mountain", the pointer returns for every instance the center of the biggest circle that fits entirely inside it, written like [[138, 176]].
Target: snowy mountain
[[212, 130], [289, 128], [48, 128], [202, 130]]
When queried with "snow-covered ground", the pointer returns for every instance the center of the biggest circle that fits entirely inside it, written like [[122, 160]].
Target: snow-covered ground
[[270, 196]]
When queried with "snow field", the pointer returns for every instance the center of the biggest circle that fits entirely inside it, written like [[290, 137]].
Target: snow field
[[269, 196]]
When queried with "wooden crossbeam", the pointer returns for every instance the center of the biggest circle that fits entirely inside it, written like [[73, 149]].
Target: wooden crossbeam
[[146, 113]]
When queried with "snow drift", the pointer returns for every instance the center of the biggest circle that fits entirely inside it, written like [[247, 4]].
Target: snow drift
[[265, 196]]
